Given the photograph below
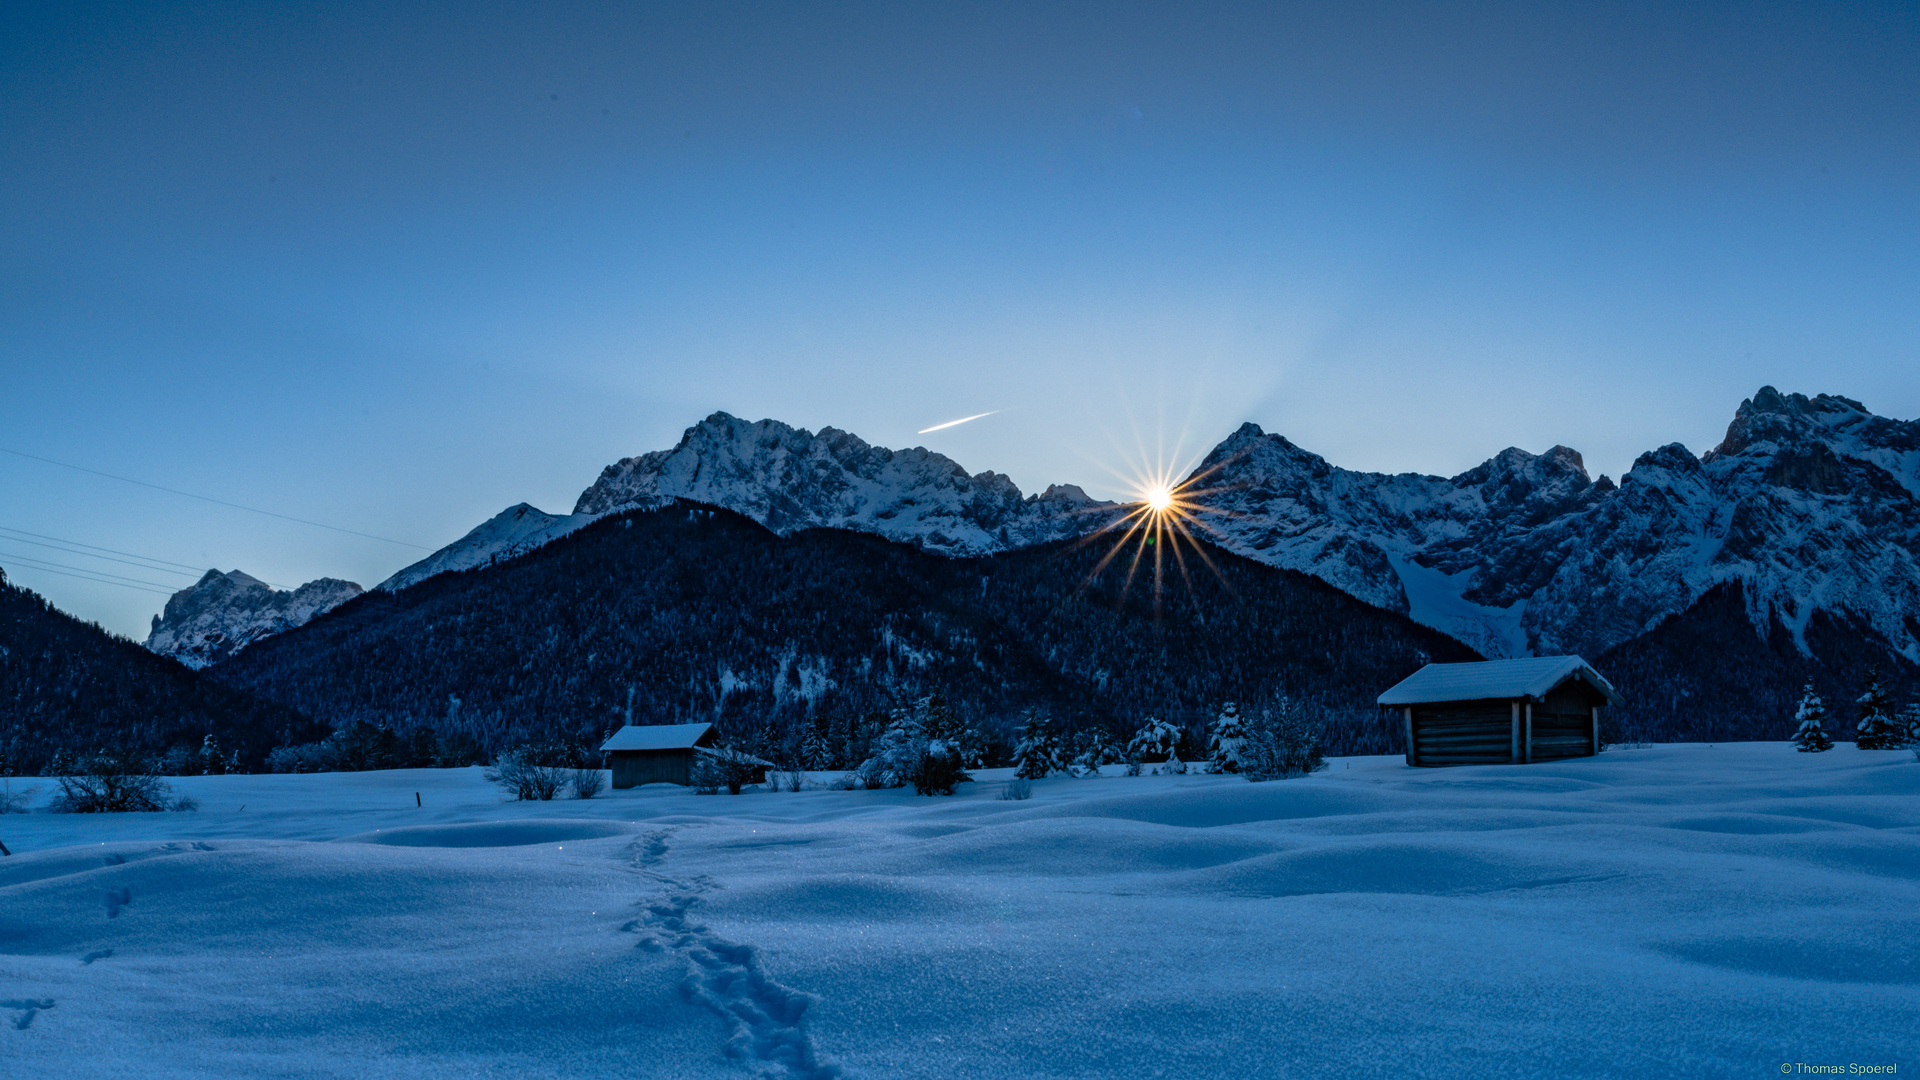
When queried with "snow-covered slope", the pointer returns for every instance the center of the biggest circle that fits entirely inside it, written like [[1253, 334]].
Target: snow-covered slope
[[223, 613], [516, 529], [1809, 501], [790, 479]]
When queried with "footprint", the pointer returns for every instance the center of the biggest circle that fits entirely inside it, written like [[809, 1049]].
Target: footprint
[[28, 1009], [117, 899], [97, 954]]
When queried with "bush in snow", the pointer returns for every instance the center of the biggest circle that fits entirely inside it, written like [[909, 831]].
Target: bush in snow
[[587, 783], [115, 781], [1811, 736], [1877, 729], [734, 768], [1157, 740], [1016, 789], [1282, 743], [524, 774], [15, 800], [938, 769], [704, 776], [1038, 752], [1227, 740], [203, 760]]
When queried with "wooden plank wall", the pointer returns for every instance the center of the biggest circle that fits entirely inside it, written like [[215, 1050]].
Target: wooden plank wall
[[1463, 733], [631, 768], [1563, 724]]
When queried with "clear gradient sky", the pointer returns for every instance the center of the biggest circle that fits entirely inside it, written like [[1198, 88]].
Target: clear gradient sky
[[396, 267]]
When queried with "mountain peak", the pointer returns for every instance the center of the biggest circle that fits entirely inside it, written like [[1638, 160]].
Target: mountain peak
[[221, 614]]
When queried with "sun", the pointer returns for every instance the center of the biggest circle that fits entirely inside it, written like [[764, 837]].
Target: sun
[[1159, 499]]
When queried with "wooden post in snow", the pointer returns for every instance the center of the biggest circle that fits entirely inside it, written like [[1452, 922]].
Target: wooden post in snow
[[1529, 758]]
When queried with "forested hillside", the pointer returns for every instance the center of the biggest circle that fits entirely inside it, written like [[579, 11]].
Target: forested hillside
[[692, 613], [68, 684], [1705, 675]]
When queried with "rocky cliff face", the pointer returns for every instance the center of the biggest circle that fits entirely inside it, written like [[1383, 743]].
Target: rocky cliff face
[[223, 613], [790, 479], [1809, 503]]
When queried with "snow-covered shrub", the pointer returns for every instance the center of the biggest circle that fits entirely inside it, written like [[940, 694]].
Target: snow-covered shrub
[[524, 773], [1283, 742], [735, 767], [1156, 741], [203, 760], [1095, 751], [1133, 766], [938, 769], [1877, 729], [704, 776], [1910, 723], [1811, 736], [1038, 752], [587, 783], [115, 781], [1016, 789], [901, 746], [15, 800], [1227, 740]]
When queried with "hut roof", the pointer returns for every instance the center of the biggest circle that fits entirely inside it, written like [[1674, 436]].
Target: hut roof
[[1530, 677], [657, 737]]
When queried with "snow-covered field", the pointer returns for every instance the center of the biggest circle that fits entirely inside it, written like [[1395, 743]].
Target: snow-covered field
[[1676, 911]]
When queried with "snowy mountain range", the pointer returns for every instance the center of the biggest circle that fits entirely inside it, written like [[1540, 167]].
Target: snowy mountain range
[[1810, 503], [221, 614]]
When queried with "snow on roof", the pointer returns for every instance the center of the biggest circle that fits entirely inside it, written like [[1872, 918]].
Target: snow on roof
[[656, 737], [1530, 677]]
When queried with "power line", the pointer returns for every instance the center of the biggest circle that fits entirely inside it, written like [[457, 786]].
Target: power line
[[129, 554], [39, 566], [208, 498], [103, 558]]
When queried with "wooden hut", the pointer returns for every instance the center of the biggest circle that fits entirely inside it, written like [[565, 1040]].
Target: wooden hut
[[1499, 712], [655, 753]]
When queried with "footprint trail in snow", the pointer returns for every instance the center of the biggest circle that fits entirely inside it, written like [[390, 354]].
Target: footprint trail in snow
[[767, 1018]]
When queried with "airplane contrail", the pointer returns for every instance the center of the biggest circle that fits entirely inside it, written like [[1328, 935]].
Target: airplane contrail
[[953, 423]]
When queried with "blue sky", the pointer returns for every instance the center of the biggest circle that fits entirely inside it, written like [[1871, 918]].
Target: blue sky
[[396, 271]]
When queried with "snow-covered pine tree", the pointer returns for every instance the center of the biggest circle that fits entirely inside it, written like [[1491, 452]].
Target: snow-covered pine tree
[[1877, 729], [815, 755], [1228, 740], [1283, 742], [1095, 751], [1038, 752], [1157, 740], [1910, 723], [1811, 737], [944, 724], [898, 753]]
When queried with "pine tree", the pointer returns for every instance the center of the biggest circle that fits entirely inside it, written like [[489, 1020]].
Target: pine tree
[[1095, 752], [1157, 740], [1228, 740], [1877, 729], [1910, 723], [900, 748], [1038, 752], [1811, 737], [814, 753]]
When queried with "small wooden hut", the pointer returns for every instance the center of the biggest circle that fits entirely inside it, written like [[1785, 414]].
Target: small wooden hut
[[1497, 712], [655, 753]]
